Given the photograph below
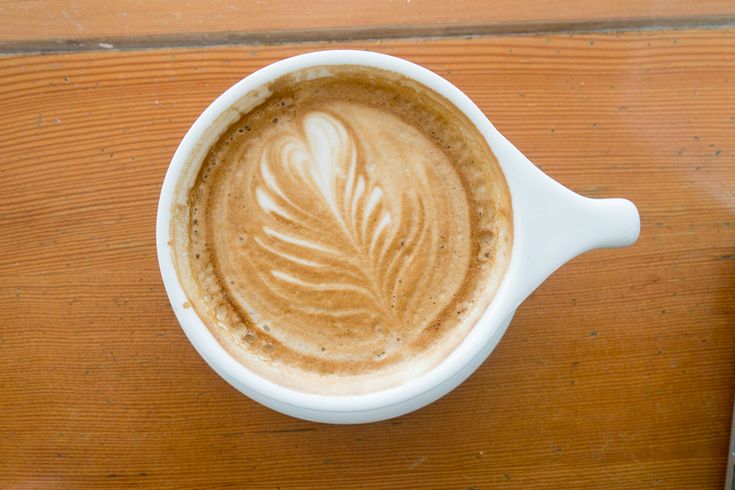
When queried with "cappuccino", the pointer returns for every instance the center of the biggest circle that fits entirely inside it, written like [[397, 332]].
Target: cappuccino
[[344, 231]]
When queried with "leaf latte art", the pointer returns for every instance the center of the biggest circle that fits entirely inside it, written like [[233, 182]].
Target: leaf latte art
[[327, 226], [335, 244]]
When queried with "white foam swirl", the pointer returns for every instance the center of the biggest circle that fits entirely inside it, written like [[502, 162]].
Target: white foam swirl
[[325, 156]]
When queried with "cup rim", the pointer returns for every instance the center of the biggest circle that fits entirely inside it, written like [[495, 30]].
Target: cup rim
[[204, 341]]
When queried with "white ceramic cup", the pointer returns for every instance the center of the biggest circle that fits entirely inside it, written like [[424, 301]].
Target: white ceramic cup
[[551, 226]]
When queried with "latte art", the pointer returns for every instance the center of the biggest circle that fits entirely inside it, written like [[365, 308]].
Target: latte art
[[325, 236], [344, 234], [338, 204]]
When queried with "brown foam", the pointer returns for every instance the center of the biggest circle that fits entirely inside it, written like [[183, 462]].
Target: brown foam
[[346, 232]]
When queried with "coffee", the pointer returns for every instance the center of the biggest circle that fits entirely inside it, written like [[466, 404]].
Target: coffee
[[343, 231]]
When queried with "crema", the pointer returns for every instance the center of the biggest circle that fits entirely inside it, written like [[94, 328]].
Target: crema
[[345, 231]]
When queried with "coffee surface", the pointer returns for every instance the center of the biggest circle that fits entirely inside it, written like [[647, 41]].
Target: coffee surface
[[346, 232]]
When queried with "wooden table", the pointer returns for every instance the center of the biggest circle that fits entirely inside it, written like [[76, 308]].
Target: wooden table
[[617, 373]]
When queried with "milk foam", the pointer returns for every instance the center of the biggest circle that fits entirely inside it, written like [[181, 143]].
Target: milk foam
[[337, 246]]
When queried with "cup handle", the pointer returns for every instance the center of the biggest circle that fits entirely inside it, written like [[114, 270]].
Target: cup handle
[[554, 224]]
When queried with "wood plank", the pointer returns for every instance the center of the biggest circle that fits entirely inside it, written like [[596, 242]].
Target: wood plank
[[617, 373], [64, 24]]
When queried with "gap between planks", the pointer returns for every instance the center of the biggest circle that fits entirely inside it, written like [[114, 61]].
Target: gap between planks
[[341, 34]]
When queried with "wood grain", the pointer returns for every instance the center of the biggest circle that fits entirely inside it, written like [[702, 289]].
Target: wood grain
[[75, 24], [617, 373]]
